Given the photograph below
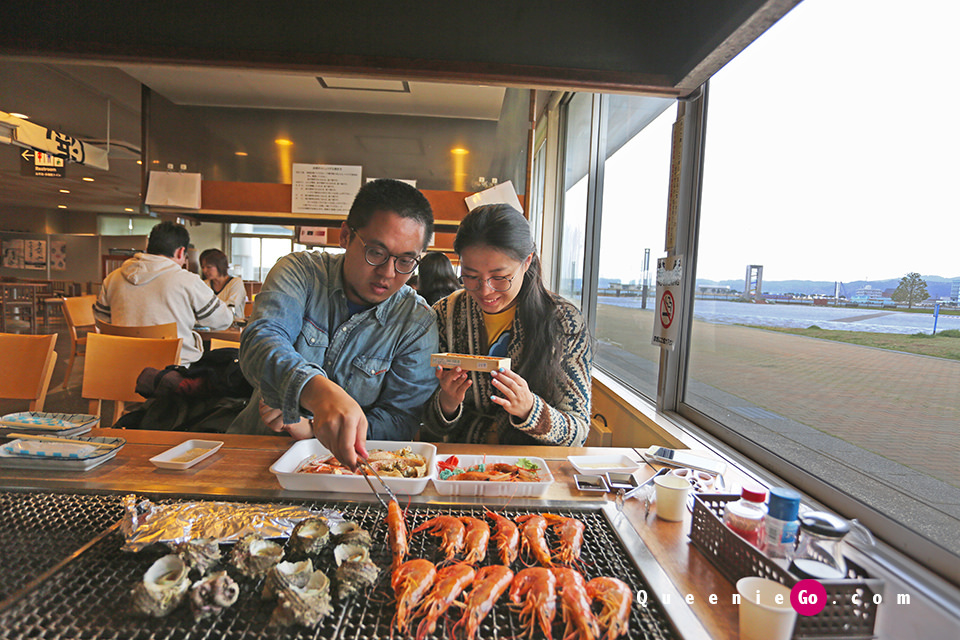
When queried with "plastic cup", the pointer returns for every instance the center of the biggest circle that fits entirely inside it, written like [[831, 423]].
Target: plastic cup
[[761, 617], [671, 497]]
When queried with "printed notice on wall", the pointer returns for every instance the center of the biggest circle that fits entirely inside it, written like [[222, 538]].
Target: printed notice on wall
[[665, 325], [324, 189]]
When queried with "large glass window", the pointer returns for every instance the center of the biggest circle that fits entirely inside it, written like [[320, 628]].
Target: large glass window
[[576, 178], [635, 184], [254, 249], [828, 199]]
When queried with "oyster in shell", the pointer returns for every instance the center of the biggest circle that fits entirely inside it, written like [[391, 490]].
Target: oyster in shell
[[349, 532], [212, 594], [305, 605], [355, 570], [285, 574], [200, 554], [310, 536], [163, 587], [253, 555]]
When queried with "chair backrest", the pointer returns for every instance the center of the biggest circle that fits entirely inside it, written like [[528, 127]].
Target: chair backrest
[[168, 330], [248, 308], [79, 313], [27, 366], [114, 362], [217, 343]]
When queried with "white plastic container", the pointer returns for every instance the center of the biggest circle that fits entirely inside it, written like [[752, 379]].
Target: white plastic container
[[483, 488], [186, 454], [599, 465], [285, 469]]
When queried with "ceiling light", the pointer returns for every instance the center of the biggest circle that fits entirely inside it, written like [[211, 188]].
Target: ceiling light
[[87, 179], [156, 162], [139, 161], [459, 151], [61, 206], [127, 209], [283, 142], [64, 190], [19, 115], [243, 154]]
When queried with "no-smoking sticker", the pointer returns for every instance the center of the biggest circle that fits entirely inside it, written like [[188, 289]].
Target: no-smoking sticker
[[666, 309], [669, 272]]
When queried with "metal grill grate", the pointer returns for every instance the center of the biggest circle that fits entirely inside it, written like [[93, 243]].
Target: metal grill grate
[[90, 597]]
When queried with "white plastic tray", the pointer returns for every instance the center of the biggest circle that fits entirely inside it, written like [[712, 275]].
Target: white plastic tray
[[481, 488], [285, 469], [599, 465], [13, 461], [186, 454]]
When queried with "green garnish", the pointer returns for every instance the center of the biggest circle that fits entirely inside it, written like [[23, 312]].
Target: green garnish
[[528, 464]]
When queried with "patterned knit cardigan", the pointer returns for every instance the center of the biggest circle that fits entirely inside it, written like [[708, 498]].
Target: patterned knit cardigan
[[565, 424]]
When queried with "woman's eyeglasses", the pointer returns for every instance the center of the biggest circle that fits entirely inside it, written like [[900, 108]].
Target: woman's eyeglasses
[[497, 283]]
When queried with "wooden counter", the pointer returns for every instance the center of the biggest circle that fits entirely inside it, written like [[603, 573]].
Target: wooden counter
[[241, 468]]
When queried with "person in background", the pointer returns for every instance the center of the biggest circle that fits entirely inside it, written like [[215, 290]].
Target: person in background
[[228, 288], [505, 311], [338, 347], [437, 277], [153, 288]]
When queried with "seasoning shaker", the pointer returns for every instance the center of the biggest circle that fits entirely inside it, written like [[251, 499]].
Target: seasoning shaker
[[745, 516], [819, 553], [781, 524]]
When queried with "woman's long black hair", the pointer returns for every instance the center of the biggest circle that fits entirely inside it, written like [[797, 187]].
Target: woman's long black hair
[[437, 277], [503, 228]]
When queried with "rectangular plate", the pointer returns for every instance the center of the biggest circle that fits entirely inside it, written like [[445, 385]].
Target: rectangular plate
[[11, 461], [47, 423], [482, 488], [619, 480], [186, 454], [599, 465], [285, 469], [591, 483]]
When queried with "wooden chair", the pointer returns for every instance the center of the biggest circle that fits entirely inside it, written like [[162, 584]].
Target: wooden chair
[[18, 300], [78, 312], [165, 331], [113, 364], [217, 343], [248, 308], [27, 367]]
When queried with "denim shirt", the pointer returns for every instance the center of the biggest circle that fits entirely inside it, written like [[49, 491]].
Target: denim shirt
[[300, 328]]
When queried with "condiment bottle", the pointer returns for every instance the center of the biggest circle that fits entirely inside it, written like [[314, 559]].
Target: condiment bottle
[[745, 516], [819, 555], [781, 524]]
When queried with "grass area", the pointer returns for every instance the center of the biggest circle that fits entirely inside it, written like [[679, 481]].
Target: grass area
[[945, 344]]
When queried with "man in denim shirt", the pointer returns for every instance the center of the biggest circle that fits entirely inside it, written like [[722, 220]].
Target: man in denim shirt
[[340, 338]]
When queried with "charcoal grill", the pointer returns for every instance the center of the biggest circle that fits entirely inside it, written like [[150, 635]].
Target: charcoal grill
[[73, 580]]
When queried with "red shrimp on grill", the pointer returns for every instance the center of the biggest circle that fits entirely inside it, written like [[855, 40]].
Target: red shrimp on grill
[[488, 585]]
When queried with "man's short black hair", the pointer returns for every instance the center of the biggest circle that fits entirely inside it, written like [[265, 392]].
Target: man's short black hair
[[391, 195], [166, 238]]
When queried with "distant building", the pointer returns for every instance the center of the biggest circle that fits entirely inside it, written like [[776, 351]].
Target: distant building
[[955, 291], [868, 295]]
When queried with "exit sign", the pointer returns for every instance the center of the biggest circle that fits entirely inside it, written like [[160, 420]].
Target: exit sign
[[41, 165]]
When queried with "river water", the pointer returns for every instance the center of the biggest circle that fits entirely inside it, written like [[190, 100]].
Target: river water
[[803, 316]]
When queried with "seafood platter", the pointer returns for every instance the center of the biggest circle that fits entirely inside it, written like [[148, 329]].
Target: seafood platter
[[473, 475], [317, 569], [406, 467]]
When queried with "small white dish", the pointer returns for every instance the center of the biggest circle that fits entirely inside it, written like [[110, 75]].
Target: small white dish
[[186, 454], [599, 465]]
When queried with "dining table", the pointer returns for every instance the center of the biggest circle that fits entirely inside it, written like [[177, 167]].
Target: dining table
[[695, 597]]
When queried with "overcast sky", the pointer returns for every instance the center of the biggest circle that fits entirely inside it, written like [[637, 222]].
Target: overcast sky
[[830, 151]]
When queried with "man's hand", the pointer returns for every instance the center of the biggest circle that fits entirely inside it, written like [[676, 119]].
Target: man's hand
[[338, 421], [453, 387], [273, 418]]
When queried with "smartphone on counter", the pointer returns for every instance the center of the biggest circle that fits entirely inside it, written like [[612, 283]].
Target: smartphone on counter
[[683, 458]]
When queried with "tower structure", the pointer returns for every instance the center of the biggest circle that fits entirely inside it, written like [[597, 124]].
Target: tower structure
[[753, 284]]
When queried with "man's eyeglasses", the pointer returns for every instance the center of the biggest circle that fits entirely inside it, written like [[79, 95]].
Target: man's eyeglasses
[[377, 256], [497, 283]]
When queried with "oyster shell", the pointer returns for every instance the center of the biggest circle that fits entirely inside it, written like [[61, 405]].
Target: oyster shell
[[212, 594], [253, 555], [201, 554], [349, 532], [305, 605], [355, 570], [163, 587], [310, 536], [285, 574]]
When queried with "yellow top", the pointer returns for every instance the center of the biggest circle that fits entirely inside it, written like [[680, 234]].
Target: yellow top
[[497, 324]]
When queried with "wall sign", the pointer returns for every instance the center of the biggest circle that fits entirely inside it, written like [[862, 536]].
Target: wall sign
[[324, 189], [312, 235]]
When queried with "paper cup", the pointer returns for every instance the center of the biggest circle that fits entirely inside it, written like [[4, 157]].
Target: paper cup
[[761, 618], [671, 497]]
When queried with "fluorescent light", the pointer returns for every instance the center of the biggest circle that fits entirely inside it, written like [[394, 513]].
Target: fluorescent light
[[61, 206], [87, 179], [19, 115], [64, 190], [127, 209], [243, 154]]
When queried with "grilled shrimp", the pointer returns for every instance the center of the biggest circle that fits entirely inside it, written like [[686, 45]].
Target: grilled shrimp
[[615, 598], [575, 605], [570, 532], [507, 537], [476, 539], [450, 531], [536, 588], [488, 585], [396, 532], [410, 582], [450, 582], [533, 539]]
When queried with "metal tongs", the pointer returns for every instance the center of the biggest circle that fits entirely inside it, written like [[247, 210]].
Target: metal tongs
[[365, 465]]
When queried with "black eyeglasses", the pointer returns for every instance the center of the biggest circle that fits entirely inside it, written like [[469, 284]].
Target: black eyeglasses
[[377, 256], [497, 283]]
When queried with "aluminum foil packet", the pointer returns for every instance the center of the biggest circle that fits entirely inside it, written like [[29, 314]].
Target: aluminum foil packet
[[145, 523]]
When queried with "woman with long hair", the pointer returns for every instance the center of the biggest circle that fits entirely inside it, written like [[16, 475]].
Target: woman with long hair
[[505, 310], [437, 277], [213, 264]]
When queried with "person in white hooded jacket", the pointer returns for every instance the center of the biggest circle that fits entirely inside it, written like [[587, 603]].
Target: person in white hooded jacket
[[153, 288]]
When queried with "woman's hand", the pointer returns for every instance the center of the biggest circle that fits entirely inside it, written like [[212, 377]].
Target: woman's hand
[[273, 418], [453, 388], [517, 399]]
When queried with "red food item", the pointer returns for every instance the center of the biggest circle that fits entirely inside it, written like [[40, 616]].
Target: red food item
[[449, 464]]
